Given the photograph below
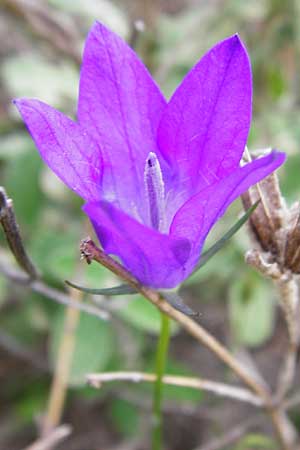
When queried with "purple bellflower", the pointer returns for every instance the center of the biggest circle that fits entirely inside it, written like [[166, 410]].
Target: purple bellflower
[[155, 175]]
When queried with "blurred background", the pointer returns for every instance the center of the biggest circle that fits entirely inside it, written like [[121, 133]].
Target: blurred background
[[40, 54]]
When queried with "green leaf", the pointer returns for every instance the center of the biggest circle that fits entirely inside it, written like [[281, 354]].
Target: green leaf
[[251, 309], [206, 256], [94, 345]]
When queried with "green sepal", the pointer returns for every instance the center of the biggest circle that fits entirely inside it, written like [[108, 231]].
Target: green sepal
[[123, 289], [171, 297], [176, 301], [206, 256]]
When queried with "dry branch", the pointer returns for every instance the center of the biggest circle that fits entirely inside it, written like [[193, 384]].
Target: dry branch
[[220, 389]]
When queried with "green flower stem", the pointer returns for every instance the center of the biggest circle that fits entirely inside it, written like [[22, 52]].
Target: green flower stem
[[161, 356]]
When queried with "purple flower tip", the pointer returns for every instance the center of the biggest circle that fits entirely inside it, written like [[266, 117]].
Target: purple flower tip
[[155, 175]]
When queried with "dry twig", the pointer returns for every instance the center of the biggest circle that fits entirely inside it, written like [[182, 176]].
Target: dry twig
[[275, 231], [220, 389]]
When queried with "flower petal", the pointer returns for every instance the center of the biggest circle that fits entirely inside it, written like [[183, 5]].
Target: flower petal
[[71, 153], [119, 101], [203, 131], [197, 216], [155, 259]]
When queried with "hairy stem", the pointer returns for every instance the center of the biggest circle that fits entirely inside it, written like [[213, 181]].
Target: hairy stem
[[161, 356]]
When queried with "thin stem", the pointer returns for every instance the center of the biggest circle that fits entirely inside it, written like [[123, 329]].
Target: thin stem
[[161, 356]]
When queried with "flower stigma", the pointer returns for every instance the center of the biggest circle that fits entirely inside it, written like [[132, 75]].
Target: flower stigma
[[155, 192]]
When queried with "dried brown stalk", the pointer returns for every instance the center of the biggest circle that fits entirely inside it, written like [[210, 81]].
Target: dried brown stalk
[[275, 231]]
